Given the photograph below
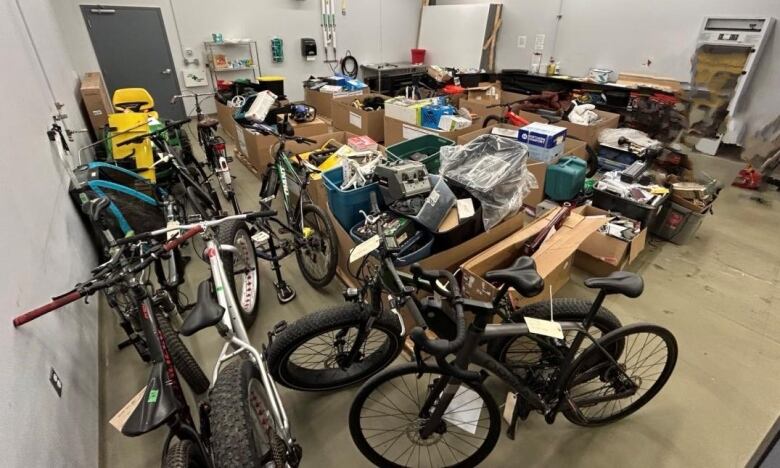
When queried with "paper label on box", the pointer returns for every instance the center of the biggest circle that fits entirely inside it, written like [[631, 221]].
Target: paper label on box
[[364, 248], [97, 112], [347, 93], [121, 417], [544, 327], [241, 139], [356, 120], [409, 132], [506, 132], [465, 208]]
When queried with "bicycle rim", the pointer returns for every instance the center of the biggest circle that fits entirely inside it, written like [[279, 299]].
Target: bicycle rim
[[245, 275], [315, 256]]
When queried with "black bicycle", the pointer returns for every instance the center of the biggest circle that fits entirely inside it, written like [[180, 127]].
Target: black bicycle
[[344, 345], [440, 414]]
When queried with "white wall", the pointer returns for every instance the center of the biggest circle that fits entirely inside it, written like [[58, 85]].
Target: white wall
[[358, 31], [45, 252]]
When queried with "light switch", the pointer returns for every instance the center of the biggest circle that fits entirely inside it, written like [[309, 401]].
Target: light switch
[[521, 40]]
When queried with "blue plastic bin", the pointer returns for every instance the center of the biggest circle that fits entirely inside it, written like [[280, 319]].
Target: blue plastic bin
[[346, 204], [405, 256]]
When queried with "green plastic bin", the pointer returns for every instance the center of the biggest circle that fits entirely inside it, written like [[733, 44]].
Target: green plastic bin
[[427, 144]]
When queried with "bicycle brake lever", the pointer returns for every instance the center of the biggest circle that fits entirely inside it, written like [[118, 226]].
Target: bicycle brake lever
[[418, 359]]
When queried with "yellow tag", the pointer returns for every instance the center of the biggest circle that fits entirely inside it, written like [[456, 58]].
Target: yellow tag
[[121, 417], [307, 232], [544, 327], [365, 248]]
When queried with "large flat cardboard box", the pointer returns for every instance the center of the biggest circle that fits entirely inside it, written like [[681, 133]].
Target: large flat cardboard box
[[225, 117], [96, 100], [538, 168], [553, 259], [587, 133], [449, 259], [397, 131], [323, 101], [257, 147], [601, 254], [358, 121], [482, 107]]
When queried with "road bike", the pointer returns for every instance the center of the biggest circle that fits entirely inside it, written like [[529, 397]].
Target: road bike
[[344, 345], [439, 413], [243, 422]]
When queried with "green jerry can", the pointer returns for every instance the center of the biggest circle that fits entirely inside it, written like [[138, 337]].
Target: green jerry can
[[564, 179]]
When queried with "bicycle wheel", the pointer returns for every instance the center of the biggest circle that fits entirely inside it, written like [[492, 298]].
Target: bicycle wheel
[[598, 392], [521, 353], [241, 269], [184, 454], [183, 361], [317, 258], [242, 429], [312, 353], [491, 120], [385, 422]]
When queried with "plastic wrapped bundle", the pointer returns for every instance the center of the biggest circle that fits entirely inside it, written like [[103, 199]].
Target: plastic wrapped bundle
[[493, 169]]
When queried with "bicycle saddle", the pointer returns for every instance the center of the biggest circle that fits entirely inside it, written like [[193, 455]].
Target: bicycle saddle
[[521, 275], [206, 313], [208, 122], [620, 282]]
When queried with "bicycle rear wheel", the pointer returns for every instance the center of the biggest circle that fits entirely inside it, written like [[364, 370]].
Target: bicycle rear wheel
[[385, 422], [317, 258], [599, 392]]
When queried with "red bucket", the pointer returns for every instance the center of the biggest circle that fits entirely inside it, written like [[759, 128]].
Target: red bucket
[[418, 55]]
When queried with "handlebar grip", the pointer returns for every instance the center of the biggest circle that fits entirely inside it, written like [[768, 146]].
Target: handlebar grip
[[45, 309], [135, 238], [305, 140], [177, 241], [433, 275], [260, 214]]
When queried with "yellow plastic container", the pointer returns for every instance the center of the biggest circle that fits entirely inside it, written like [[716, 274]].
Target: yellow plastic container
[[126, 126]]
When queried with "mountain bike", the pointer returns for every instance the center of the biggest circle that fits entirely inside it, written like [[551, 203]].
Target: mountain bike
[[440, 414], [214, 147], [344, 345], [243, 423], [313, 236]]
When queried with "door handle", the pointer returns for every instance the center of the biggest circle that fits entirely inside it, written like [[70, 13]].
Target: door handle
[[167, 71]]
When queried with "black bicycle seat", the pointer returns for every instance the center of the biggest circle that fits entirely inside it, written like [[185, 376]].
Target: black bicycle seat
[[206, 313], [620, 282], [522, 276], [208, 123]]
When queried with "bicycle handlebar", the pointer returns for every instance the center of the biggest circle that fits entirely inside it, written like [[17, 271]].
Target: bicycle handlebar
[[139, 138], [45, 309]]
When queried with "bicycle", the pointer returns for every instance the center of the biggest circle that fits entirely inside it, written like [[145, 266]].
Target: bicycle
[[313, 236], [243, 423], [344, 345], [442, 411], [214, 147]]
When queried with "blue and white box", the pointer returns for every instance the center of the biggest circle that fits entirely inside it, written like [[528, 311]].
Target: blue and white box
[[545, 142]]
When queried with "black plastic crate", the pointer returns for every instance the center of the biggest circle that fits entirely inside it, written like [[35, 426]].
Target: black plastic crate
[[641, 212]]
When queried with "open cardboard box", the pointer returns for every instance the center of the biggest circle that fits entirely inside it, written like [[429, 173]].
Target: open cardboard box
[[323, 101], [601, 254], [587, 133], [553, 259], [538, 168], [397, 131], [225, 117], [358, 121], [257, 147]]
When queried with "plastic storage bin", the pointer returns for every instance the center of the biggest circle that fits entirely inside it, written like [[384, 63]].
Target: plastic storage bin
[[346, 204], [677, 223], [641, 212], [428, 145], [413, 250], [564, 179]]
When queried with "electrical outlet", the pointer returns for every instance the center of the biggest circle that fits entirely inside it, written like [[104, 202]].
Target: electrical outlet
[[521, 41], [539, 42], [55, 381]]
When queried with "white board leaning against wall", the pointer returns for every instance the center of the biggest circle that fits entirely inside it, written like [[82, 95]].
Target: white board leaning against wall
[[453, 35]]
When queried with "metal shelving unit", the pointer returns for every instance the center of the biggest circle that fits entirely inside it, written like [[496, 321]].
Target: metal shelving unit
[[213, 48]]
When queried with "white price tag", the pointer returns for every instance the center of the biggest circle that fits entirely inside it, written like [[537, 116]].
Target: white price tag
[[544, 327], [364, 248], [356, 120], [509, 407], [121, 417], [409, 132]]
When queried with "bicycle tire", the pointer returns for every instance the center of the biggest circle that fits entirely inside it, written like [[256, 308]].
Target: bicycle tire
[[183, 361], [325, 232], [247, 300], [362, 396], [584, 365], [318, 325], [489, 120], [184, 454], [234, 442]]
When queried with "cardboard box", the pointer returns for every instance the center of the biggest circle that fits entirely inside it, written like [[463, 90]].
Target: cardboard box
[[360, 122], [323, 101], [545, 142], [601, 254], [406, 110], [397, 131], [481, 108], [487, 92], [257, 147], [587, 133], [226, 121], [553, 259], [96, 100]]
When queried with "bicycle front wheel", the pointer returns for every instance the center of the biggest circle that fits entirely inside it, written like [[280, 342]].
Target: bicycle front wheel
[[385, 420], [599, 392], [318, 256], [241, 269]]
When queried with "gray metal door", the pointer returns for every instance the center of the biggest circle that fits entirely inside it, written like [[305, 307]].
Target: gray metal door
[[132, 48]]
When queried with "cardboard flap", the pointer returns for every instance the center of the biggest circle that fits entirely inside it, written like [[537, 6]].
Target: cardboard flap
[[637, 245], [566, 241]]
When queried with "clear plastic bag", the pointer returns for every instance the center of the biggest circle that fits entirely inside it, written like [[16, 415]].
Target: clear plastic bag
[[493, 169]]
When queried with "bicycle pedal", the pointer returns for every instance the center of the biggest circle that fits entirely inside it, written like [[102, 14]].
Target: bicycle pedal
[[260, 239]]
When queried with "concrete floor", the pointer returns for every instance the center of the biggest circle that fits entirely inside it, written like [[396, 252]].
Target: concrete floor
[[718, 295]]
